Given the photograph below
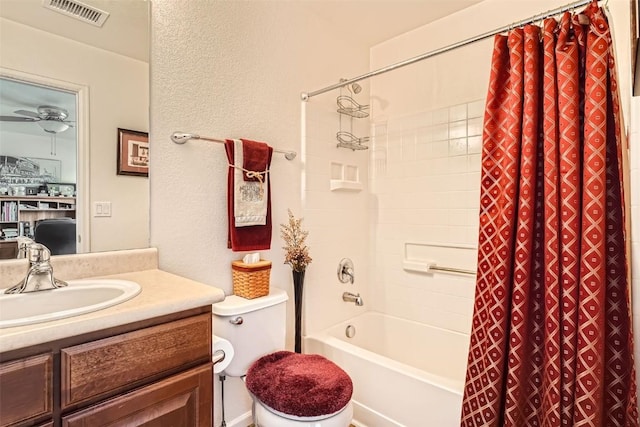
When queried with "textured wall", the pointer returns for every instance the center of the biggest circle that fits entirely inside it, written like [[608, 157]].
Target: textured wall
[[230, 69]]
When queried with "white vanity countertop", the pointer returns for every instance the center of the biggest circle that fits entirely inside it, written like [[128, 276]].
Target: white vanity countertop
[[162, 293]]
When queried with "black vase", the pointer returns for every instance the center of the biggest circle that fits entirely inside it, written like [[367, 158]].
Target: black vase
[[298, 284]]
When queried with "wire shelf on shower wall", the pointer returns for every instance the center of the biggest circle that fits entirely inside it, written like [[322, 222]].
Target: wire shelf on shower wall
[[350, 107], [349, 140], [348, 110]]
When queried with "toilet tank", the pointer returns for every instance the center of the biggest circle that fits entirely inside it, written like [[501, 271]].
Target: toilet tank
[[254, 327]]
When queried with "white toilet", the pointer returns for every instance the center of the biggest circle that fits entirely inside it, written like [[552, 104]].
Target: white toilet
[[256, 329]]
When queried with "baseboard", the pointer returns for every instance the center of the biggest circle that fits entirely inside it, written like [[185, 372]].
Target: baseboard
[[241, 421]]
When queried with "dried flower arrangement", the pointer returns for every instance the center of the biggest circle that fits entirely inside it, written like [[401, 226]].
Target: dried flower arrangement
[[297, 253]]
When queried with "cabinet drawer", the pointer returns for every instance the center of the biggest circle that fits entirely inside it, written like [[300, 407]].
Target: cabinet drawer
[[119, 363], [183, 400], [25, 389]]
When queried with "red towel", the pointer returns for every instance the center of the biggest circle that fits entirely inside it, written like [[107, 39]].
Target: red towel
[[256, 237], [256, 157]]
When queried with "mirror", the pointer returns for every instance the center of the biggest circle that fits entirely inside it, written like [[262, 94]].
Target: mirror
[[106, 69]]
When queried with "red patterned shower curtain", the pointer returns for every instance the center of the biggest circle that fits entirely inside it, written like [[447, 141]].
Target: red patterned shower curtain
[[551, 340]]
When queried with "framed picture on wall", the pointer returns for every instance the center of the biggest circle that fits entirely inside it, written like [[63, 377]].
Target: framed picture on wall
[[133, 152]]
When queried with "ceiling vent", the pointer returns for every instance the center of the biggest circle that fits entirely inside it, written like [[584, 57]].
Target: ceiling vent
[[75, 9]]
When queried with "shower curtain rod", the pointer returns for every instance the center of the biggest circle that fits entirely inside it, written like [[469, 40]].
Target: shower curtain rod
[[306, 95]]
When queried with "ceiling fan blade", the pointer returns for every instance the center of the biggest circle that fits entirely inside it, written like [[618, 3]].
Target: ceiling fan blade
[[28, 113], [17, 119]]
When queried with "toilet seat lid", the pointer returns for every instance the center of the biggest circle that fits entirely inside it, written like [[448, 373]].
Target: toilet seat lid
[[304, 385]]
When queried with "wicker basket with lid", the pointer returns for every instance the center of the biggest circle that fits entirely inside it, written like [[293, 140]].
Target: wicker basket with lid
[[251, 280]]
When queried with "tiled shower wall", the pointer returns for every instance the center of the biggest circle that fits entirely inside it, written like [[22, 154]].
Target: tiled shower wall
[[336, 219], [424, 181]]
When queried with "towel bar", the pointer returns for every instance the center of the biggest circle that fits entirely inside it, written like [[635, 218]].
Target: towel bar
[[182, 137]]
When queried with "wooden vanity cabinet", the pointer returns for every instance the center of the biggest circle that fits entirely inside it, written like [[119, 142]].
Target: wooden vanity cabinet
[[155, 372], [26, 391], [181, 400]]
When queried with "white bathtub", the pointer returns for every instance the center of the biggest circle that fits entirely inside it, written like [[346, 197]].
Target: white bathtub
[[404, 373]]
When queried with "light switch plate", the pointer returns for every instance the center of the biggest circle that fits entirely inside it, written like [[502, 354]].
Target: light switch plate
[[101, 209]]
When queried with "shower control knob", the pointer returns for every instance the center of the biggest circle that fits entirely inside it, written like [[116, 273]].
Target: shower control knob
[[345, 271]]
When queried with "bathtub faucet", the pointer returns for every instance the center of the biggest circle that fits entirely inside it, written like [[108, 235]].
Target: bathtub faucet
[[349, 297]]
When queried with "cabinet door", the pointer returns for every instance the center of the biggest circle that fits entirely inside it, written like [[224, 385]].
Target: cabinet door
[[26, 391], [184, 400]]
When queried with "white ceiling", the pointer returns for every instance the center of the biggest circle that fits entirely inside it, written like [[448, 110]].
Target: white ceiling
[[126, 30], [368, 21], [374, 21]]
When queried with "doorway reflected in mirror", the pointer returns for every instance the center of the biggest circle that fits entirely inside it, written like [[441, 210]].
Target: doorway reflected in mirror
[[107, 71]]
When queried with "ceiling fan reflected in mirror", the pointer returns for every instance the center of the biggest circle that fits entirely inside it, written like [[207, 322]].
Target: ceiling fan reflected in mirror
[[51, 119]]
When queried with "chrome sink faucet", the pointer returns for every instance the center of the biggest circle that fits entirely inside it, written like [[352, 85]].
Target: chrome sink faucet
[[40, 273], [349, 297]]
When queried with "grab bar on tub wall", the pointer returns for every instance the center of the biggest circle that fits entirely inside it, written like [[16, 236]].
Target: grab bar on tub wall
[[452, 270], [428, 267]]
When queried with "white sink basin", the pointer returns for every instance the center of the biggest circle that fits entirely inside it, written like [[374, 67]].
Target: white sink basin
[[80, 297]]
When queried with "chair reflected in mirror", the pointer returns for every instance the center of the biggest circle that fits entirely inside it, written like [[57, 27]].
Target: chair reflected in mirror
[[57, 234]]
